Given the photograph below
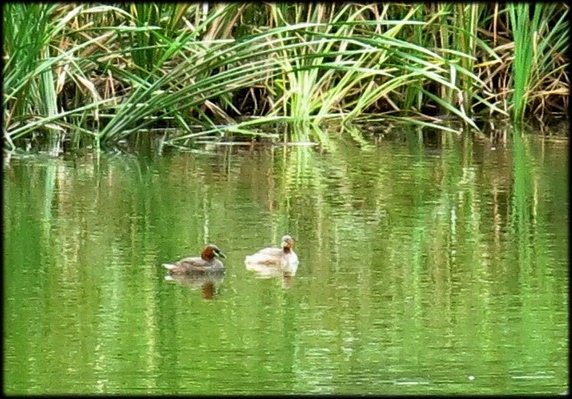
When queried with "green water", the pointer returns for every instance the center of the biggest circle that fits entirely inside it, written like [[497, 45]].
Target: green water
[[425, 268]]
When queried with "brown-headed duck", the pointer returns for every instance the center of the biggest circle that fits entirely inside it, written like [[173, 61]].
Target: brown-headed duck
[[207, 262]]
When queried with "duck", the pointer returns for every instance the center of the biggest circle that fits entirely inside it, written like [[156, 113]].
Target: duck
[[205, 263], [270, 261]]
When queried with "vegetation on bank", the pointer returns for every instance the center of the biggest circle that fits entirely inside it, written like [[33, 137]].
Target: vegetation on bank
[[93, 75]]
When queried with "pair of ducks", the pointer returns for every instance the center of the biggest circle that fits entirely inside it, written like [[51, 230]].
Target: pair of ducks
[[283, 257]]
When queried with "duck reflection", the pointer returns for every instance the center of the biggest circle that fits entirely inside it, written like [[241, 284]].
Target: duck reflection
[[208, 283], [265, 272]]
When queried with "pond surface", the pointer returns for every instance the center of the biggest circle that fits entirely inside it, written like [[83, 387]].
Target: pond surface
[[428, 265]]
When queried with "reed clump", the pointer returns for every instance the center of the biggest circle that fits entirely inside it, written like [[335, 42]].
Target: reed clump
[[85, 74]]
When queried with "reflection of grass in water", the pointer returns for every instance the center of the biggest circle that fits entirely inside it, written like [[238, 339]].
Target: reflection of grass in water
[[449, 222], [524, 218], [327, 184], [421, 224]]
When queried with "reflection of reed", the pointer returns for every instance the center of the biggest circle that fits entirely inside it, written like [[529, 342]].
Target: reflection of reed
[[207, 282]]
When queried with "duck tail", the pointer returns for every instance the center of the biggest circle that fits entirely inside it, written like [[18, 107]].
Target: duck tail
[[169, 266]]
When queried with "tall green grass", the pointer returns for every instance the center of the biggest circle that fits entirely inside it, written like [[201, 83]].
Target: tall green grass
[[539, 49], [524, 30], [99, 74]]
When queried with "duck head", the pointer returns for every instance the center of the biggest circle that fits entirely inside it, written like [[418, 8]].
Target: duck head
[[287, 243], [210, 251]]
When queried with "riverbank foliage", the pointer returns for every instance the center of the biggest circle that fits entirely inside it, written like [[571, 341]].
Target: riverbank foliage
[[92, 75]]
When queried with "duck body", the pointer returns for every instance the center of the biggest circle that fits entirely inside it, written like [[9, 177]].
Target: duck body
[[206, 263], [273, 260]]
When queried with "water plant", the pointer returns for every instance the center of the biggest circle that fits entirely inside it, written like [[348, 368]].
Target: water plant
[[98, 75]]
